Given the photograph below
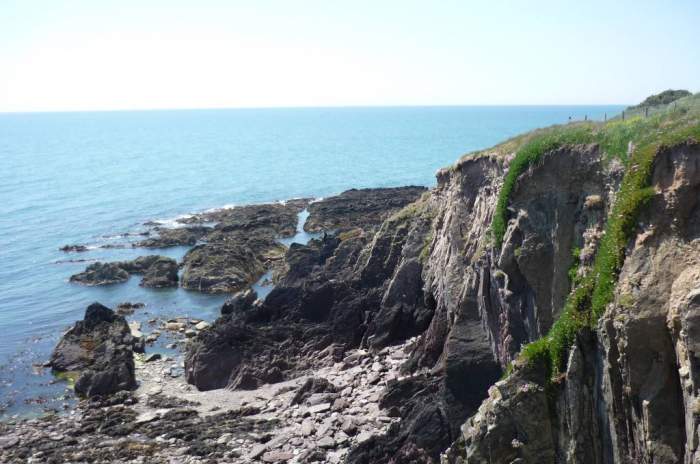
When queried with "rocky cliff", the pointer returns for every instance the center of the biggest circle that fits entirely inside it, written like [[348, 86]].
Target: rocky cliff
[[621, 388], [563, 260]]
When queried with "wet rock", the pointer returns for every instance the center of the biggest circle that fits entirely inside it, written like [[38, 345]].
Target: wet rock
[[201, 325], [100, 350], [127, 308], [182, 236], [161, 273], [73, 248], [240, 248], [175, 326], [101, 274], [158, 271]]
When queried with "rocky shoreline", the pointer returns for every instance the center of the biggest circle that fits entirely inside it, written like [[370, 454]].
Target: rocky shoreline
[[537, 305], [320, 409], [315, 417]]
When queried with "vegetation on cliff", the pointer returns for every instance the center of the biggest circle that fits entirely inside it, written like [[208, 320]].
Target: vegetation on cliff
[[644, 137]]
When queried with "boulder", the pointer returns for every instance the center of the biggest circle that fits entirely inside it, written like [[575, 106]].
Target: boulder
[[311, 386], [99, 351], [240, 302]]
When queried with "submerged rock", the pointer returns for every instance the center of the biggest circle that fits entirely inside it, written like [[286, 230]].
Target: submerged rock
[[98, 350], [126, 308], [73, 248]]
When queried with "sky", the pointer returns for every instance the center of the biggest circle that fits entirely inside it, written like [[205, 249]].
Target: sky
[[65, 55]]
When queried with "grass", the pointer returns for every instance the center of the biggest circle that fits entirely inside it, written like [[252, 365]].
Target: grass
[[529, 154], [592, 293], [574, 278]]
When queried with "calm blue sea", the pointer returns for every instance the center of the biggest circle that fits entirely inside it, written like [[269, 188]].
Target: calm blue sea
[[88, 177]]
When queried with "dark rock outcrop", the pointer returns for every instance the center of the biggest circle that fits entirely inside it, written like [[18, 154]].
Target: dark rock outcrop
[[101, 274], [338, 293], [98, 350], [162, 272], [240, 248], [364, 208], [158, 271], [240, 302], [128, 307]]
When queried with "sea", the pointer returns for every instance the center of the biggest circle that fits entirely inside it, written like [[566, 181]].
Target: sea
[[95, 178]]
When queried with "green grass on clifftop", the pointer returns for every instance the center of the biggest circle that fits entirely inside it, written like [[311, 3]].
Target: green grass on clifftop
[[525, 157]]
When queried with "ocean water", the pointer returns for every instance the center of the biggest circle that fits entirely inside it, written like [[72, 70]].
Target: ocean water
[[89, 177]]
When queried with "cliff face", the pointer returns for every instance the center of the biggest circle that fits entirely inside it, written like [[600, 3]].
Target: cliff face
[[629, 391]]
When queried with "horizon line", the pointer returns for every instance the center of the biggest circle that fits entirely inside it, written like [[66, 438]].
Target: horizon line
[[301, 107]]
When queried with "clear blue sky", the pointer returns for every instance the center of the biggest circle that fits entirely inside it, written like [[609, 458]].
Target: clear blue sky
[[123, 54]]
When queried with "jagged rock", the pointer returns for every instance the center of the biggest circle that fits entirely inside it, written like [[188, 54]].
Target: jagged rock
[[99, 349], [158, 271], [161, 273], [240, 302]]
